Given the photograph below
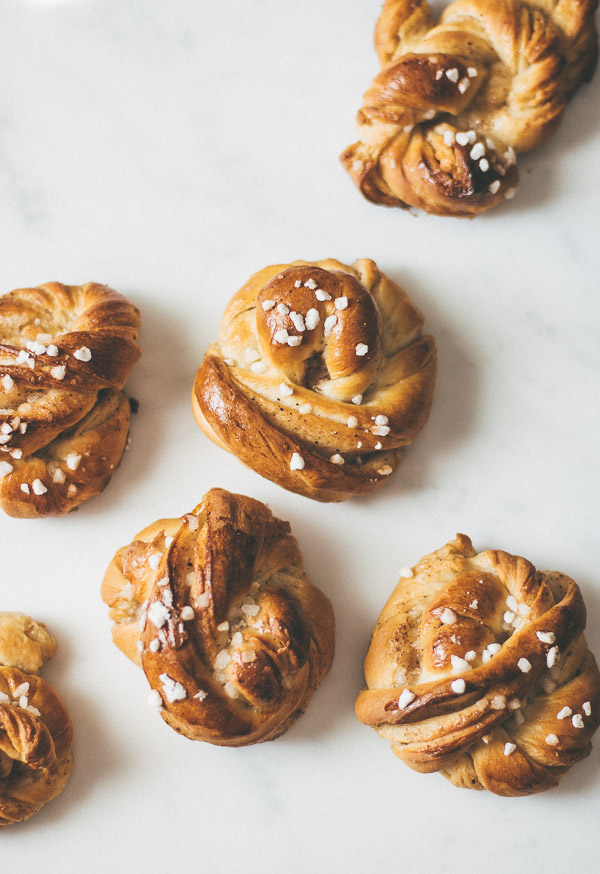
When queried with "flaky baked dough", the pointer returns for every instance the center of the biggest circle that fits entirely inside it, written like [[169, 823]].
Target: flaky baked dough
[[320, 376], [65, 354], [35, 730], [511, 719], [455, 101], [217, 610]]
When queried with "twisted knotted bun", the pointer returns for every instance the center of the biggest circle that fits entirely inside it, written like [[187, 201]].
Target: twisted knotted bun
[[478, 668], [216, 608], [440, 125], [65, 354], [35, 729], [320, 376]]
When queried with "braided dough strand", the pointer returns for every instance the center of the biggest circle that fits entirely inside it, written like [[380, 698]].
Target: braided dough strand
[[441, 124], [65, 354], [478, 668], [215, 607], [321, 364], [35, 730]]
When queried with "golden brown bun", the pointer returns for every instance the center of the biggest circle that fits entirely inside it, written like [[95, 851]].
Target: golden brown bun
[[327, 416], [440, 125], [65, 354], [216, 608], [35, 729], [511, 719], [24, 643]]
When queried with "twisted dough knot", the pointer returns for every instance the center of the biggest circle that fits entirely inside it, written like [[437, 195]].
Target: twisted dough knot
[[232, 636], [478, 668], [65, 353], [441, 123], [35, 729], [319, 378]]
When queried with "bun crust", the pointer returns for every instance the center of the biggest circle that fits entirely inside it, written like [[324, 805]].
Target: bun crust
[[320, 377], [455, 101], [65, 354], [478, 668], [35, 730], [217, 610]]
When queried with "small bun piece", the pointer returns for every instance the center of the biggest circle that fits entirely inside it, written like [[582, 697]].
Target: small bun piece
[[456, 100], [215, 607], [24, 643], [35, 730], [478, 668], [65, 354], [321, 375]]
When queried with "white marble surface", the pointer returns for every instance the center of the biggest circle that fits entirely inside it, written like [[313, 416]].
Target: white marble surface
[[171, 149]]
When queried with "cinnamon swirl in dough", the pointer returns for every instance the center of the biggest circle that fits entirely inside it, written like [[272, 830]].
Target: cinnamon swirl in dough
[[217, 610], [35, 729], [478, 668], [320, 376], [65, 353], [455, 102]]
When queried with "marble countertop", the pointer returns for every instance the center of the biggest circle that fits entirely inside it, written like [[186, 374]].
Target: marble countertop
[[170, 150]]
